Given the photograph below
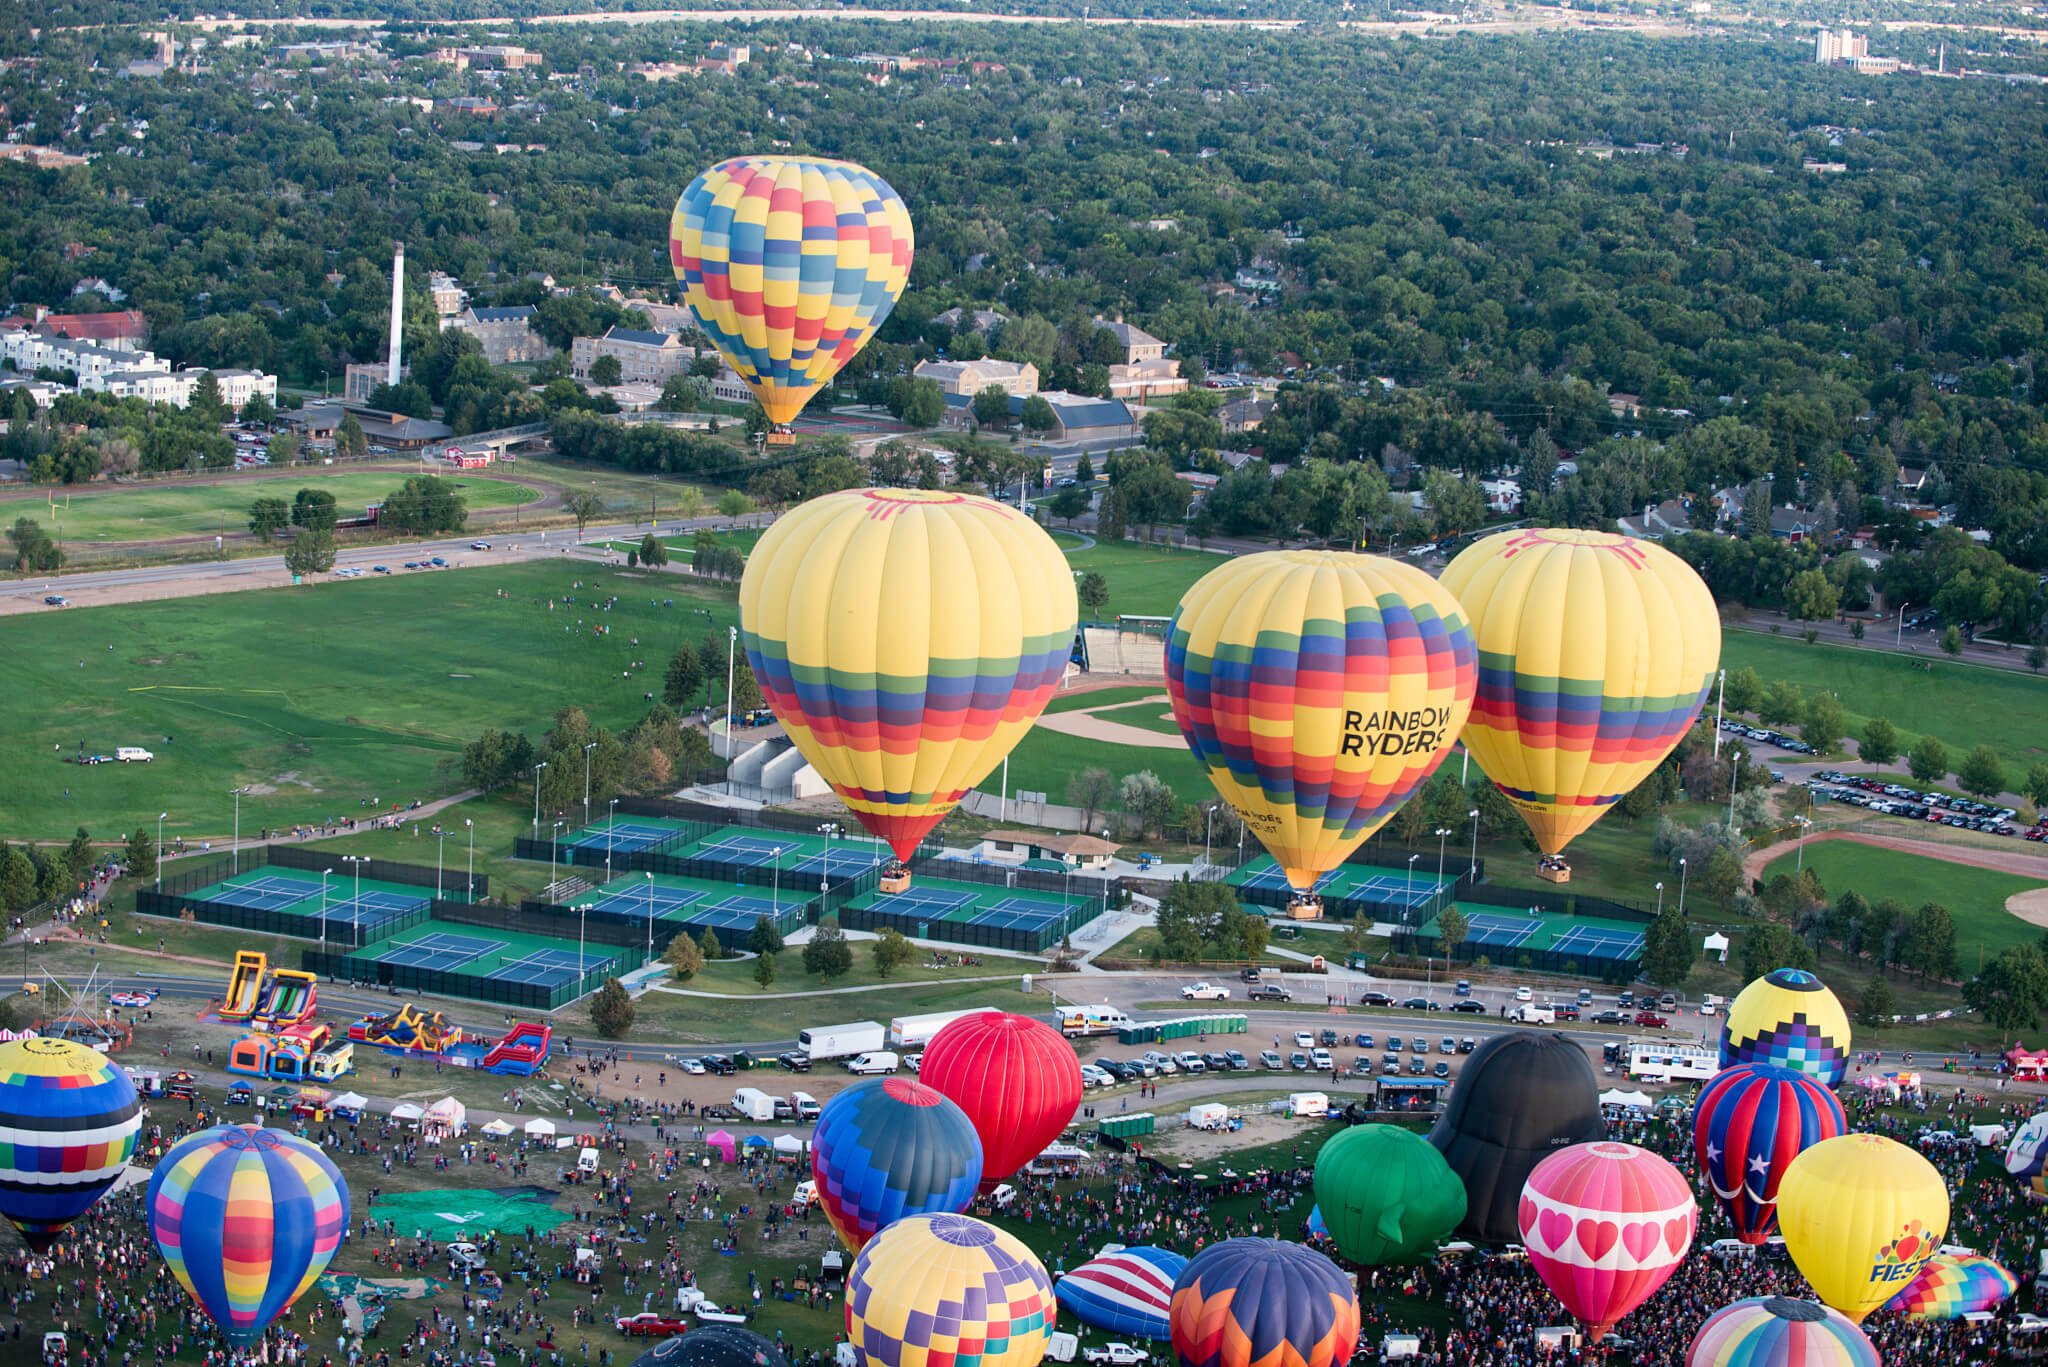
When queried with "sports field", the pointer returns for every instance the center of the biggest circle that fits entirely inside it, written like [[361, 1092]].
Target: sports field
[[973, 913], [325, 698], [321, 904], [1503, 935], [1045, 760], [796, 854], [1391, 887], [1975, 897], [1153, 716], [504, 955], [155, 512], [1145, 581], [700, 903]]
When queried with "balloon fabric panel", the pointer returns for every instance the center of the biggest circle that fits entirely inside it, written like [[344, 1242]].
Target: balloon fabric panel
[[948, 1291], [1779, 1332], [68, 1125], [1748, 1126], [1017, 1079], [889, 1148], [1263, 1303]]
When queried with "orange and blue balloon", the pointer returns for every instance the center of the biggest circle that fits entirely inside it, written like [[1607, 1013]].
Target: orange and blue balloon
[[1263, 1303], [68, 1123], [789, 265], [1777, 1331], [1747, 1127], [889, 1148], [247, 1219], [1952, 1285]]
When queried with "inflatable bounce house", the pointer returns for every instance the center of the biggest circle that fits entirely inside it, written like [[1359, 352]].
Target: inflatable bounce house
[[307, 1052], [287, 1000], [409, 1030]]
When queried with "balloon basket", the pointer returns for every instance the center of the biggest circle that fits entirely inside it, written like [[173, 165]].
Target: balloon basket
[[1304, 907], [781, 436], [895, 878], [1554, 871]]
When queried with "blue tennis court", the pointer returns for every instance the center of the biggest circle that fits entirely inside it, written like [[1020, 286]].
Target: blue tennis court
[[838, 861], [1485, 928], [1021, 912], [439, 950], [623, 836], [1351, 881], [269, 892], [550, 967], [923, 901], [635, 901], [1595, 942]]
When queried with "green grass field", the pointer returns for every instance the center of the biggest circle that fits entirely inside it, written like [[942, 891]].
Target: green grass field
[[1143, 580], [152, 512], [1103, 697], [1974, 897], [1962, 705], [327, 696], [1045, 760], [1146, 716]]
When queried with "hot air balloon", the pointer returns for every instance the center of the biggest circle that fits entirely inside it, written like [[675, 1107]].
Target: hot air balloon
[[1776, 1331], [907, 639], [1385, 1194], [714, 1345], [68, 1121], [1262, 1301], [1747, 1127], [247, 1219], [1017, 1079], [1595, 655], [2028, 1152], [1519, 1097], [1952, 1285], [1861, 1215], [789, 265], [1317, 1229], [1606, 1224], [1318, 689], [890, 1147], [1126, 1292], [1788, 1017], [939, 1290]]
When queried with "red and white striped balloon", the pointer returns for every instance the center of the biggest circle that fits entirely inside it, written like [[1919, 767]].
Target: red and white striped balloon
[[1606, 1224]]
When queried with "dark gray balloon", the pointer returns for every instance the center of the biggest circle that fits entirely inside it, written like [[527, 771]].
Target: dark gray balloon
[[714, 1345], [1519, 1099]]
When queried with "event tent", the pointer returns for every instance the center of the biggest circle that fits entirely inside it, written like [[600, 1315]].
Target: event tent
[[538, 1127], [726, 1145]]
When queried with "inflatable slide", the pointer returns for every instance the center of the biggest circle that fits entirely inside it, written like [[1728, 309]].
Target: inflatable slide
[[291, 999], [245, 986], [407, 1030], [522, 1052]]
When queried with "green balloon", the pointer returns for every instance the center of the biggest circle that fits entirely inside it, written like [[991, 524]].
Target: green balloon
[[1386, 1194]]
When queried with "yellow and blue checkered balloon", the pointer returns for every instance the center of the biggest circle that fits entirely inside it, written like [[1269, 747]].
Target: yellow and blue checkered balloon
[[948, 1291]]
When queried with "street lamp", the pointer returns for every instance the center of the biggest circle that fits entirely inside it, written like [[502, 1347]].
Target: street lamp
[[1208, 825], [160, 850], [1899, 635], [611, 820], [775, 889], [650, 917], [1660, 898], [1719, 698], [356, 902], [236, 858], [1443, 834], [1802, 823], [469, 875], [581, 971], [1681, 887], [440, 848], [1409, 902], [324, 875], [1473, 817], [1734, 775], [586, 781], [536, 795], [554, 843]]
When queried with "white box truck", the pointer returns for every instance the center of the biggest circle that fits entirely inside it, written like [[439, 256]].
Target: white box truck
[[1528, 1013], [754, 1104], [840, 1041], [911, 1032]]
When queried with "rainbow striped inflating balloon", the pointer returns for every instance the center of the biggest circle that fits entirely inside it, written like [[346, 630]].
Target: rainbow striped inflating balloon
[[789, 265], [1778, 1329], [248, 1219], [68, 1121], [1954, 1284]]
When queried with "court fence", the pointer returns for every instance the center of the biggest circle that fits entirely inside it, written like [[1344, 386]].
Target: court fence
[[340, 968], [447, 882], [611, 926], [178, 905], [1034, 939], [1093, 887]]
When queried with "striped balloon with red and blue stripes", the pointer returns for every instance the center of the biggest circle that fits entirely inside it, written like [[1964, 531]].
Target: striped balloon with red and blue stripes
[[1129, 1291], [1747, 1127]]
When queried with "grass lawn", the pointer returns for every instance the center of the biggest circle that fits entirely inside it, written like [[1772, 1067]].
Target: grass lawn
[[739, 1019], [1104, 697], [1153, 716], [1611, 860], [1045, 760], [151, 512], [1963, 705], [1143, 580], [327, 696], [1974, 897]]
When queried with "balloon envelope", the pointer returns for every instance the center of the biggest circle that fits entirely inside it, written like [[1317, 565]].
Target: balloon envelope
[[1606, 1224], [789, 264], [1126, 1292], [2028, 1152], [68, 1122], [1861, 1215], [941, 1290], [1776, 1331], [1595, 655], [1788, 1017], [1747, 1127], [887, 1148], [247, 1219], [907, 639], [1952, 1285], [1519, 1098], [1263, 1303], [1385, 1194], [1016, 1078], [1318, 689], [714, 1345]]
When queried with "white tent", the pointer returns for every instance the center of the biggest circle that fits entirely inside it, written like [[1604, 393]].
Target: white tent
[[405, 1110], [1716, 944], [788, 1143], [1210, 1115], [537, 1126], [497, 1129], [446, 1116], [1614, 1096], [350, 1101]]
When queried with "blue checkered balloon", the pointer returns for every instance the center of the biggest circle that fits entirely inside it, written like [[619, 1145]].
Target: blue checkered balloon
[[890, 1147]]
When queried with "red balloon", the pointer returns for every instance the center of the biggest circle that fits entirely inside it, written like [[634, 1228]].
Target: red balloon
[[1017, 1079]]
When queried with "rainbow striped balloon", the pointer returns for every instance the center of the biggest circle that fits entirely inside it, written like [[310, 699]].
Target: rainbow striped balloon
[[1596, 653], [1952, 1285], [1777, 1331], [789, 265], [907, 639], [248, 1219], [68, 1122], [1319, 689]]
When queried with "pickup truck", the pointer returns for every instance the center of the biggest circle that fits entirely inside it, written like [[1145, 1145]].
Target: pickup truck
[[1203, 992], [1270, 992], [1651, 1020], [1117, 1355]]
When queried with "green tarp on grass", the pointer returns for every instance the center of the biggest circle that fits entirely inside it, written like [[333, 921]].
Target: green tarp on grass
[[463, 1213]]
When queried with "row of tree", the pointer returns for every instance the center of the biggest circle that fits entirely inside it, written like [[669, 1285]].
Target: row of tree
[[651, 756]]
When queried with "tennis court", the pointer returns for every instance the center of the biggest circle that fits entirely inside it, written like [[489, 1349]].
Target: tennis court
[[294, 894], [695, 902], [972, 914], [793, 852], [1598, 941], [1511, 932], [1352, 883], [504, 955], [623, 835], [1553, 941]]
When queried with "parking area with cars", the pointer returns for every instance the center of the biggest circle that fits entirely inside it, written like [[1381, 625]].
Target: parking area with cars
[[1874, 794], [1766, 736]]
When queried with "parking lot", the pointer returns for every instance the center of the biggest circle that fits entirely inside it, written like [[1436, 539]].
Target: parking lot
[[1874, 794]]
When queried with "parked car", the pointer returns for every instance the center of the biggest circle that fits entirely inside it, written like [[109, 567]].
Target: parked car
[[1322, 1060], [719, 1065], [1420, 1004], [479, 545], [1269, 992], [1442, 1069], [1366, 1042], [1467, 1045], [1464, 987], [1417, 1068], [1191, 1062], [1523, 994], [1298, 1061], [1247, 975], [1651, 1020], [1469, 1007], [1609, 1018], [1390, 1066], [1448, 1044], [795, 1063], [1393, 1044], [1235, 1060], [56, 600], [1269, 1058], [1304, 1039], [1375, 999], [1421, 1045], [651, 1324], [1329, 1039], [1116, 1355]]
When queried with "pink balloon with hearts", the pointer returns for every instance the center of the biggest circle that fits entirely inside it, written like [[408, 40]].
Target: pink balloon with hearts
[[1606, 1224]]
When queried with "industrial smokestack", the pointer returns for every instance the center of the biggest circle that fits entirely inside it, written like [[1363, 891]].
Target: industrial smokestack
[[397, 314]]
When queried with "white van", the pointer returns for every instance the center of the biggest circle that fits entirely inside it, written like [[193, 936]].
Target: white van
[[132, 754], [806, 1106], [878, 1061], [586, 1161], [754, 1104]]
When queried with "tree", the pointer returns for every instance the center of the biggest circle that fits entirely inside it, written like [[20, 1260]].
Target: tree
[[1767, 948], [1093, 593], [1451, 929], [1084, 471], [827, 954], [764, 938], [1037, 415], [1721, 880], [1874, 1006], [682, 393], [34, 551], [732, 503], [1952, 641], [1822, 728], [2011, 991], [1667, 948], [18, 878], [1879, 744], [892, 951], [423, 505], [1811, 597], [1744, 691], [684, 680], [140, 856], [495, 759], [259, 410], [1930, 948], [310, 553], [611, 1010], [991, 407], [2037, 656], [1928, 760], [1147, 801], [917, 403], [1091, 790], [206, 402], [268, 517], [764, 970], [605, 372], [313, 510], [1782, 705], [349, 439], [653, 551], [1190, 915], [583, 506], [285, 448], [684, 957], [1981, 773], [708, 944], [2037, 784]]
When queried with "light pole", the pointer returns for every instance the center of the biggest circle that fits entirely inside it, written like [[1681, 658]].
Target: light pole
[[586, 781], [1899, 636], [775, 888], [1802, 823], [1473, 817], [611, 820], [1719, 698], [1409, 902], [1660, 898], [356, 902], [1733, 776], [732, 644], [536, 795], [469, 874], [554, 843], [440, 848], [1681, 887], [324, 875], [160, 850], [581, 908], [1443, 834], [236, 859], [650, 916], [1208, 826]]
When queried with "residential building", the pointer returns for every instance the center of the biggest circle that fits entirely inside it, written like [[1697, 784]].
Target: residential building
[[507, 334], [1914, 479], [644, 357], [491, 58], [1243, 415], [1144, 381], [1657, 521], [1842, 47], [971, 320], [92, 284], [449, 297], [33, 349], [1076, 417], [237, 387], [971, 377], [1625, 405], [1139, 345], [1503, 496], [44, 158], [728, 387], [44, 392], [126, 330]]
